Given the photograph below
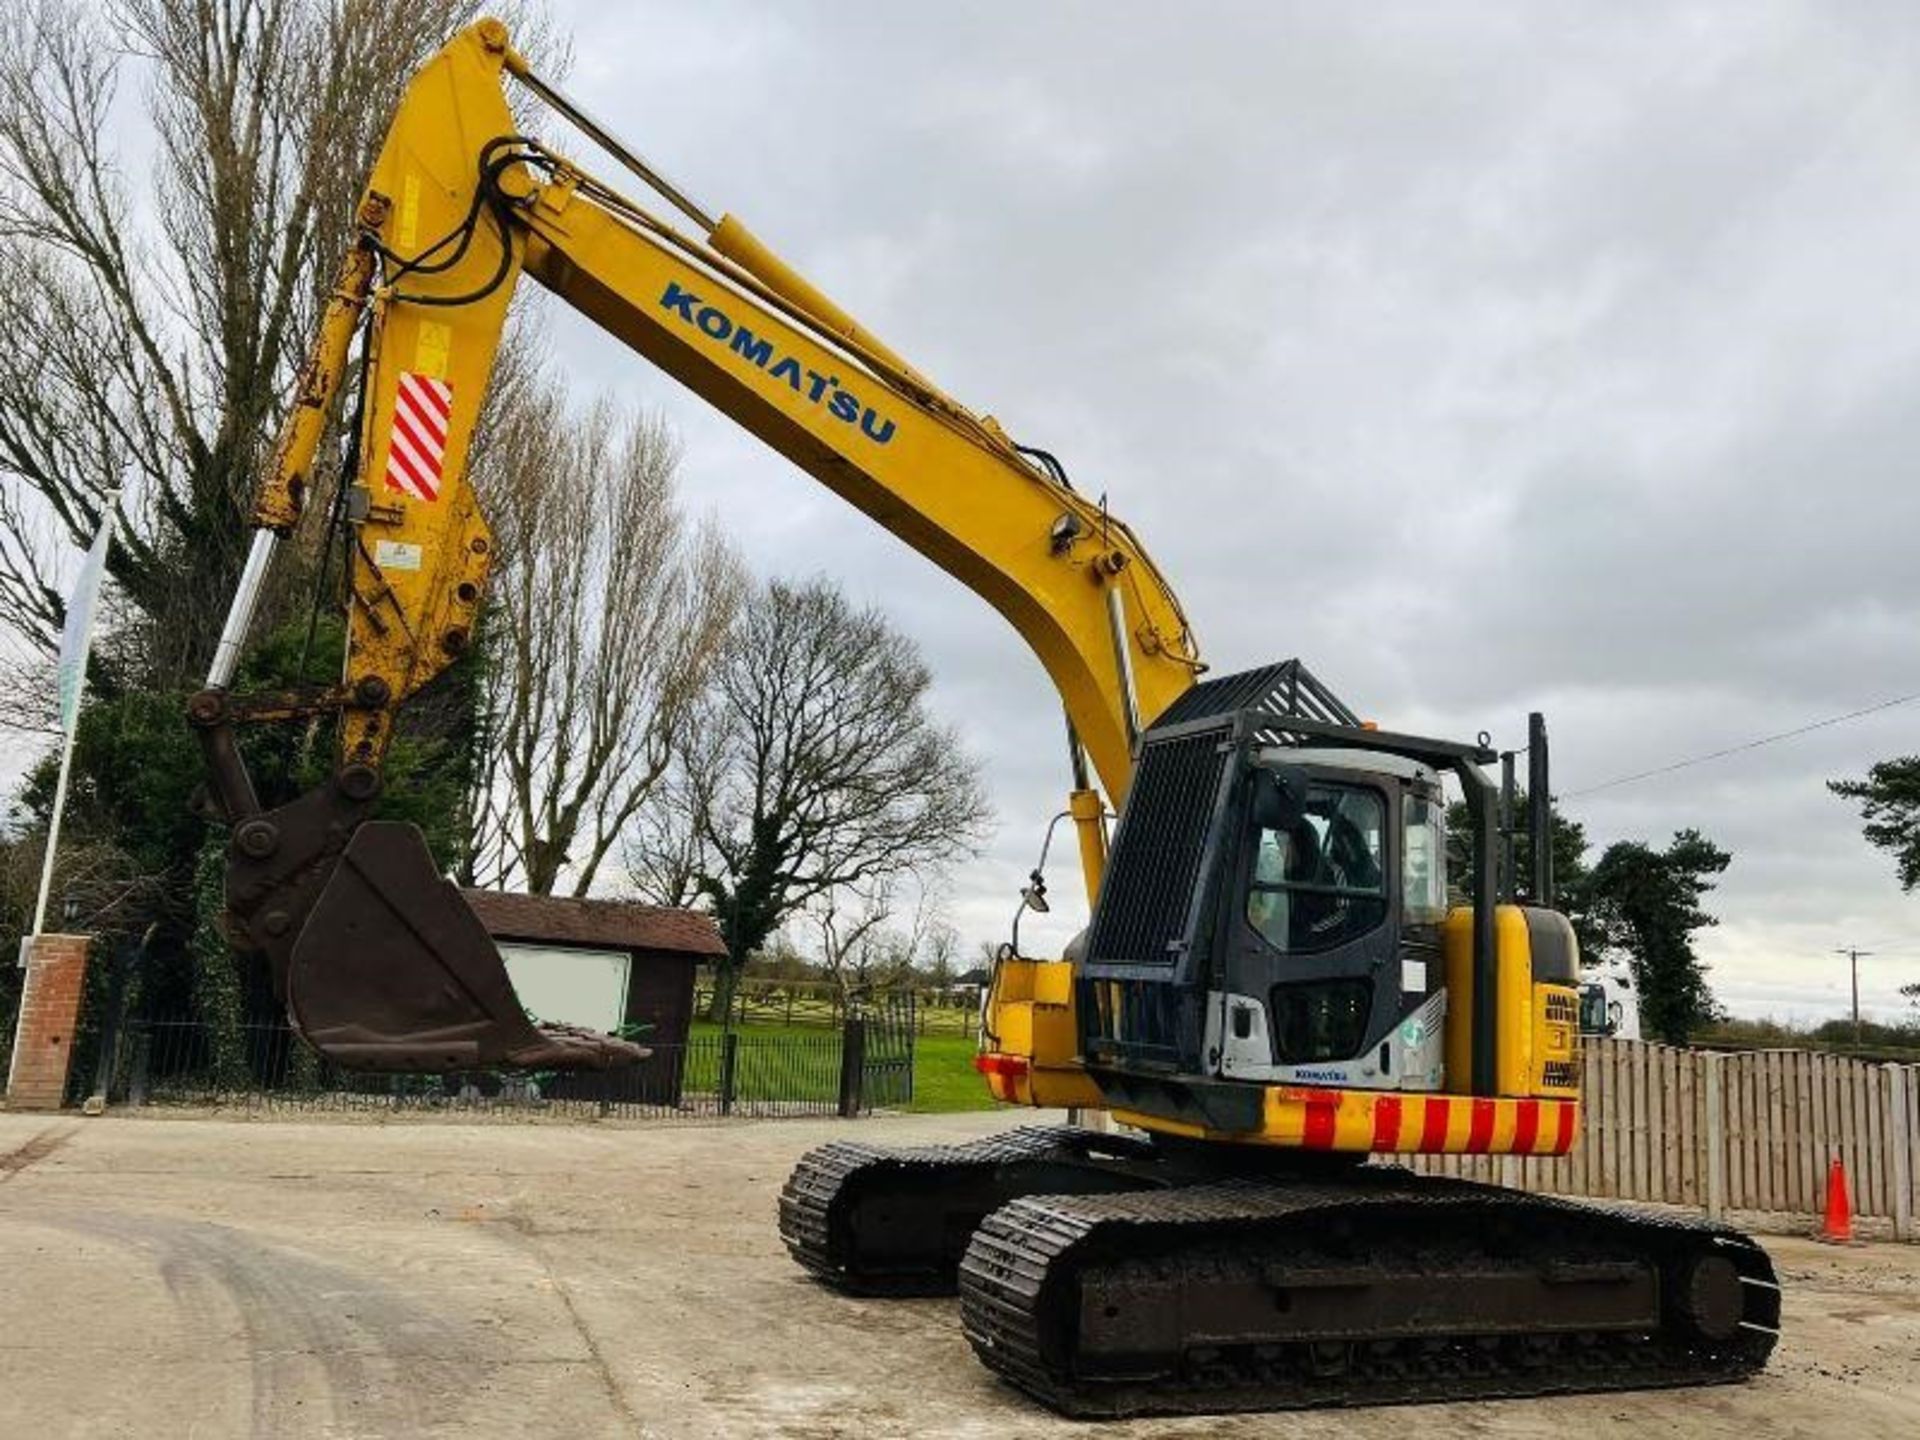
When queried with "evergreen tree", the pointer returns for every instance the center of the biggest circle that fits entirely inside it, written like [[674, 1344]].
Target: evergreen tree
[[1890, 805], [1647, 903], [1572, 884]]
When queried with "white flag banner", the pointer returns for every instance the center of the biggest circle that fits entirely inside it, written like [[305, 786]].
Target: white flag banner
[[75, 641], [77, 638]]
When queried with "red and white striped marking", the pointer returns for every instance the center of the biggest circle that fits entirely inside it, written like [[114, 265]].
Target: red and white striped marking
[[416, 451]]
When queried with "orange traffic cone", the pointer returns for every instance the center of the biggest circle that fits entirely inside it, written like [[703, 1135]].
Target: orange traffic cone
[[1837, 1228]]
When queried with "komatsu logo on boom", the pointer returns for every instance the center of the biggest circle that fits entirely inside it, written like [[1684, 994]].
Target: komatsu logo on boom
[[823, 390]]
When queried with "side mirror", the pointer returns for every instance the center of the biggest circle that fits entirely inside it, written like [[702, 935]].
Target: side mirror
[[1279, 797]]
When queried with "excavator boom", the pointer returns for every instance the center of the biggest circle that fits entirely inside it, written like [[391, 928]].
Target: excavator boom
[[377, 958]]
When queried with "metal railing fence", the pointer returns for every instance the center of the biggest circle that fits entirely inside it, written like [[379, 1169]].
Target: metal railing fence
[[746, 1074]]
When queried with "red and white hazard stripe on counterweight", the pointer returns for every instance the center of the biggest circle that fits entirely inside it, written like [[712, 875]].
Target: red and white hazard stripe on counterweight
[[417, 449]]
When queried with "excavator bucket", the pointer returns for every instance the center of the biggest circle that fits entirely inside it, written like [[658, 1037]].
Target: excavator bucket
[[393, 971], [379, 960]]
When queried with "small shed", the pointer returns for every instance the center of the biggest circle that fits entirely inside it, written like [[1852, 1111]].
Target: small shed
[[606, 964]]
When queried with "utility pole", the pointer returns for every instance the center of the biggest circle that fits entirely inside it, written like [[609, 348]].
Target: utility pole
[[1853, 956]]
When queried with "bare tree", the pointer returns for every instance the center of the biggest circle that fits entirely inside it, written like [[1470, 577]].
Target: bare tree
[[609, 609], [820, 770], [152, 330], [851, 937], [859, 949], [940, 954], [665, 850], [98, 888]]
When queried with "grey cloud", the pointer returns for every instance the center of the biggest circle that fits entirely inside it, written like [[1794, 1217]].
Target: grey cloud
[[1488, 357]]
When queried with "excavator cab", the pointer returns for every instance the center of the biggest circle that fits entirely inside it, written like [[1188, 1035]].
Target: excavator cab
[[1276, 913], [379, 961]]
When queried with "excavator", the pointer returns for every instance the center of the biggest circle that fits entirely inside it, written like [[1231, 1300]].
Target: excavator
[[1277, 991]]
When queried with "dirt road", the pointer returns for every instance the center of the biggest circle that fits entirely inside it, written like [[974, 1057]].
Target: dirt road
[[313, 1278]]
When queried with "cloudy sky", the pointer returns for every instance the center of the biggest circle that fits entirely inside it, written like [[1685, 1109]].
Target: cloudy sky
[[1488, 358]]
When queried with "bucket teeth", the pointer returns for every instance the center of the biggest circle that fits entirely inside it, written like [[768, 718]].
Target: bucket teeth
[[574, 1047]]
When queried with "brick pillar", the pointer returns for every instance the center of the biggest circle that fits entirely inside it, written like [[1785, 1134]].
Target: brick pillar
[[49, 1009]]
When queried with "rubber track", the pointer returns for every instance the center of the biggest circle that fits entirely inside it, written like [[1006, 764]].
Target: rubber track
[[1026, 1256], [829, 1174]]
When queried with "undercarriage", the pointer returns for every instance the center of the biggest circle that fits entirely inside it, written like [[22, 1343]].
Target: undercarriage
[[1112, 1276]]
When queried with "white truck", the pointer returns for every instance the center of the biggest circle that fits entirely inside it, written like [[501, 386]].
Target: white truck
[[1609, 1004]]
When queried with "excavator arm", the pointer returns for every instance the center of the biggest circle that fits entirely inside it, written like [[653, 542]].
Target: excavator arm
[[379, 961]]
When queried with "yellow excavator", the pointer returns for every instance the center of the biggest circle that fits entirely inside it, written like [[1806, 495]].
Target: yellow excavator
[[1273, 988]]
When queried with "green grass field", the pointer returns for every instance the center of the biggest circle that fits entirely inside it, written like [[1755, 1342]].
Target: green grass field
[[804, 1065], [944, 1077]]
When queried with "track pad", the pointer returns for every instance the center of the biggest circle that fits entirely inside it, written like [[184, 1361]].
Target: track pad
[[393, 971]]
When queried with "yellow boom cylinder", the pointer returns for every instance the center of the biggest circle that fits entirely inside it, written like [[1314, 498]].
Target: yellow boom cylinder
[[740, 245]]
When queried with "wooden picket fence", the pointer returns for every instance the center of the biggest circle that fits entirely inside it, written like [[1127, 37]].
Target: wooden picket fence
[[1721, 1132]]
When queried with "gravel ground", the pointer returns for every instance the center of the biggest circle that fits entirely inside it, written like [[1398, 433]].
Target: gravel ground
[[336, 1277]]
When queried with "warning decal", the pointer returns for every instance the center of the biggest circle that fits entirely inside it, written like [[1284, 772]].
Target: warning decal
[[417, 448]]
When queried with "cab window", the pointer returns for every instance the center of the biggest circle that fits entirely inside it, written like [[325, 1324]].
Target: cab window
[[1321, 881], [1424, 861]]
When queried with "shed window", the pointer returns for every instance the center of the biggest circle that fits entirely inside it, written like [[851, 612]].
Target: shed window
[[573, 986]]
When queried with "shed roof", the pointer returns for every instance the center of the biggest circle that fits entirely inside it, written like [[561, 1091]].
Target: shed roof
[[615, 924]]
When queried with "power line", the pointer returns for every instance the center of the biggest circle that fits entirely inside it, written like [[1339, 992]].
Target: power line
[[1748, 745]]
